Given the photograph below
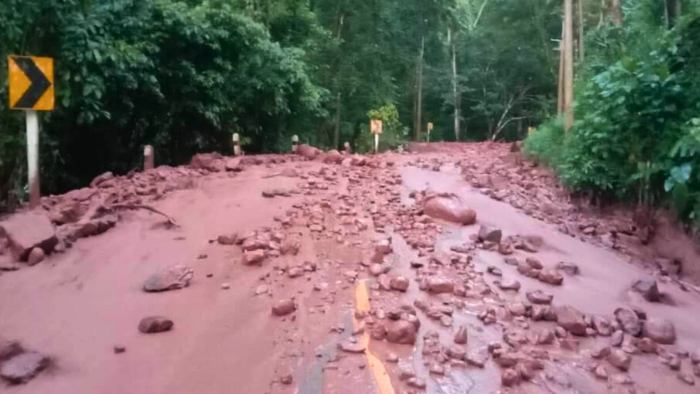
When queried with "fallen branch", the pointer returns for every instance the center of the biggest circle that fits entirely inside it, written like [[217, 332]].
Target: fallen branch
[[171, 221]]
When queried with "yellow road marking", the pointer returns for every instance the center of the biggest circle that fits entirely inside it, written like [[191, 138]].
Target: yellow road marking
[[381, 377]]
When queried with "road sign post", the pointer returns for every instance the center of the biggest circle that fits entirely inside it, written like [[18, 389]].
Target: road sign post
[[236, 144], [376, 128], [31, 90], [148, 159], [430, 128], [295, 143]]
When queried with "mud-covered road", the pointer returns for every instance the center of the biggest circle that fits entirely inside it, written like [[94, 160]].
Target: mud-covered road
[[312, 277]]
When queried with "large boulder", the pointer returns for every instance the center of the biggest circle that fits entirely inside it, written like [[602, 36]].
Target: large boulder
[[660, 330], [170, 278], [26, 231], [307, 151], [448, 208], [571, 319], [208, 161], [402, 332]]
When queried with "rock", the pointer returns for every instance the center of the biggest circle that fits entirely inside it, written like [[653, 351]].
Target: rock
[[307, 151], [438, 284], [508, 284], [290, 247], [617, 338], [283, 307], [526, 373], [539, 297], [510, 377], [101, 178], [477, 357], [225, 286], [647, 287], [378, 331], [695, 357], [254, 257], [351, 346], [119, 349], [170, 278], [401, 332], [569, 344], [36, 256], [647, 345], [686, 378], [376, 269], [449, 209], [552, 277], [399, 283], [23, 367], [494, 270], [571, 319], [619, 359], [570, 269], [456, 352], [227, 239], [629, 321], [546, 337], [26, 231], [660, 330], [487, 233], [601, 373], [261, 289], [416, 383], [287, 379], [461, 335], [601, 352], [602, 326], [392, 357], [155, 324], [534, 263], [208, 161]]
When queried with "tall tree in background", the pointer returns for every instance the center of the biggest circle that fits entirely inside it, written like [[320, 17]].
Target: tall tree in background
[[617, 12], [568, 106]]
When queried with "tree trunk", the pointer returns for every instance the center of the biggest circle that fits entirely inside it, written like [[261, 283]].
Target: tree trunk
[[568, 65], [419, 90], [336, 133], [455, 95], [617, 12], [603, 5], [560, 85], [581, 49]]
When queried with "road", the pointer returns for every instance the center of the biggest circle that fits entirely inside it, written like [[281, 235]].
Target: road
[[77, 305]]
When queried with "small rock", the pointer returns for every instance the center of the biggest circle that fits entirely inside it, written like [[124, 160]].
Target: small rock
[[287, 379], [351, 347], [477, 357], [416, 383], [510, 377], [392, 357], [261, 289], [399, 283], [438, 284], [629, 321], [491, 234], [225, 286], [227, 239], [647, 287], [508, 284], [570, 269], [600, 353], [254, 257], [601, 372], [284, 307], [551, 277], [620, 359], [436, 369], [456, 352], [684, 377], [23, 367], [617, 338], [169, 278], [461, 335], [118, 349], [539, 297], [155, 324], [695, 357], [647, 345], [36, 256], [571, 319], [602, 326], [534, 263]]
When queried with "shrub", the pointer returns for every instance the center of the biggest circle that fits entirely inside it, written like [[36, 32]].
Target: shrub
[[393, 133]]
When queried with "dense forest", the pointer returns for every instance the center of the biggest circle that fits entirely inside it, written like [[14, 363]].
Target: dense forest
[[184, 75]]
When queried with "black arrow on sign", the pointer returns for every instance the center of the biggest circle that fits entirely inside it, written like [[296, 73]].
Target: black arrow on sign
[[39, 83]]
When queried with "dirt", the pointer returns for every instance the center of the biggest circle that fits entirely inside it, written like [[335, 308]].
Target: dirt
[[349, 257]]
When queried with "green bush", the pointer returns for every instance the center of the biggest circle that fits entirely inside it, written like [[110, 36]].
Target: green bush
[[393, 133], [546, 143]]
